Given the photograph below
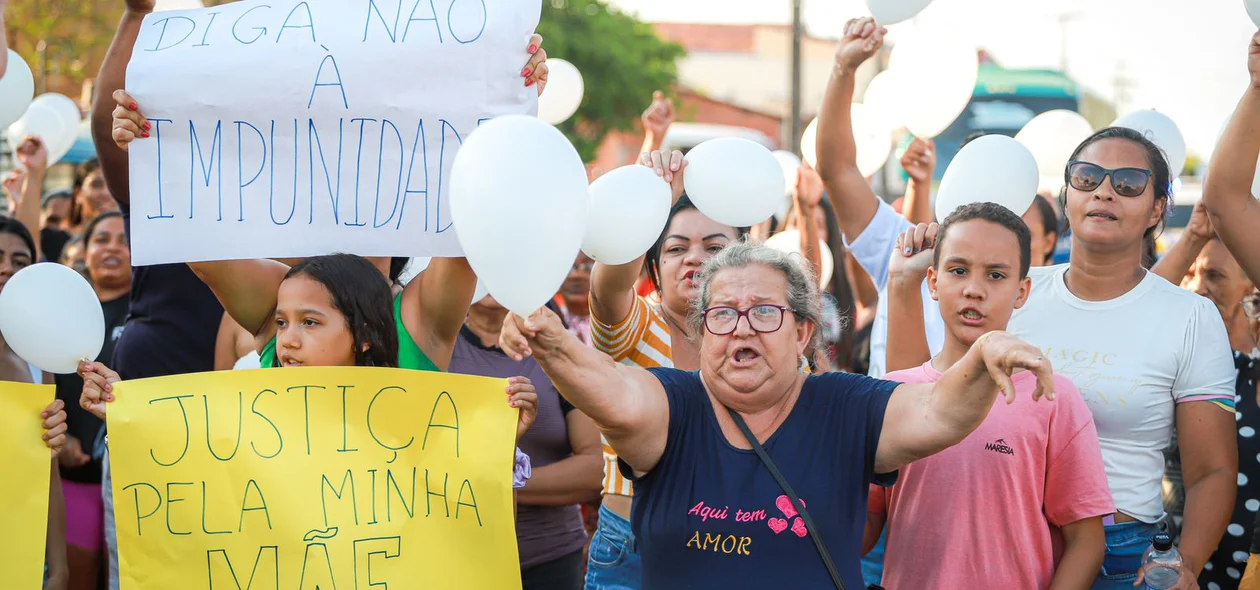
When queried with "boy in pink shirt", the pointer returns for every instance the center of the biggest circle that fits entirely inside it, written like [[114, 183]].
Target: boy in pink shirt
[[987, 512]]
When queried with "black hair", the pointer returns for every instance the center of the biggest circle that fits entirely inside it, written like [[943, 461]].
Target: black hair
[[50, 197], [362, 295], [1049, 222], [1161, 174], [91, 226], [397, 264], [10, 225], [993, 213], [652, 260], [974, 135], [84, 170]]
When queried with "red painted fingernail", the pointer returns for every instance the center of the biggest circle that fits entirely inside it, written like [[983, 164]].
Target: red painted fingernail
[[145, 134], [533, 49], [135, 106], [526, 72], [147, 126], [529, 83]]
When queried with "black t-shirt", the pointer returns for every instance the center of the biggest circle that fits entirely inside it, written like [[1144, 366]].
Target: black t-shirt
[[51, 242], [81, 423], [173, 323]]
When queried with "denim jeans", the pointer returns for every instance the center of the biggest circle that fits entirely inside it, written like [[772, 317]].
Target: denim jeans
[[1126, 542], [613, 563]]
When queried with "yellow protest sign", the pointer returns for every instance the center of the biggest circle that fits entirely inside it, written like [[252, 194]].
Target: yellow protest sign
[[314, 478], [24, 495]]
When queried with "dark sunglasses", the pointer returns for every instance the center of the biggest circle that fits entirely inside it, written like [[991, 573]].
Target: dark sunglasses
[[1127, 182]]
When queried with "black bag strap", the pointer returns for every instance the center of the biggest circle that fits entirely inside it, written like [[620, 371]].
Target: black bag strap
[[796, 501]]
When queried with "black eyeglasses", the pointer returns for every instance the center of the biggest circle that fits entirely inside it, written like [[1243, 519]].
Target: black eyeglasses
[[1127, 182], [764, 318]]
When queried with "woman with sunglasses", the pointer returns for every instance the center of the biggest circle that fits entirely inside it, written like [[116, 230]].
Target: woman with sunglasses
[[1146, 355]]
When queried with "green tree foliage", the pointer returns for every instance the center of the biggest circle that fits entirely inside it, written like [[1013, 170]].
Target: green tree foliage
[[62, 39], [621, 60]]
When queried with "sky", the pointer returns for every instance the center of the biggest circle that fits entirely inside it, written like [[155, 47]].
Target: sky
[[1187, 59]]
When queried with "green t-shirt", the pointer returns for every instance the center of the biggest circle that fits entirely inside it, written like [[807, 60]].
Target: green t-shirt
[[409, 354]]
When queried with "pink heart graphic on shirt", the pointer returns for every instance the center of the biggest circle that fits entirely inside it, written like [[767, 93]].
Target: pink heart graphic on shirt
[[798, 527], [777, 525], [785, 506]]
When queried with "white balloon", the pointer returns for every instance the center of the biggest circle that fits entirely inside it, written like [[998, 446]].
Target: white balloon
[[519, 200], [809, 144], [51, 317], [790, 241], [1160, 129], [71, 117], [946, 65], [885, 96], [628, 210], [873, 137], [871, 133], [1253, 10], [991, 169], [1052, 136], [891, 12], [16, 89], [564, 92], [791, 167], [734, 181], [44, 122]]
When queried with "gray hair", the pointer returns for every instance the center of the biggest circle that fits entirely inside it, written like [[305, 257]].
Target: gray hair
[[803, 295]]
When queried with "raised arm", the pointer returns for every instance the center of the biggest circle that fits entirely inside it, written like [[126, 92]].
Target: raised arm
[[434, 306], [854, 201], [628, 404], [34, 157], [1235, 213], [612, 287], [113, 76], [907, 331], [247, 289], [1175, 263], [656, 121], [804, 205], [919, 162], [924, 419]]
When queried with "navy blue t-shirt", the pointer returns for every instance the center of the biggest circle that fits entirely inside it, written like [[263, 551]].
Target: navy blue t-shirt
[[173, 322], [710, 515]]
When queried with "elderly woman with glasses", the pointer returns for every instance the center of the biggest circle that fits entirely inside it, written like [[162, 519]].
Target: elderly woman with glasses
[[750, 472]]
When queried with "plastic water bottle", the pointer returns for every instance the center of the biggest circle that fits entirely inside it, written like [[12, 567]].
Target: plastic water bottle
[[1161, 564]]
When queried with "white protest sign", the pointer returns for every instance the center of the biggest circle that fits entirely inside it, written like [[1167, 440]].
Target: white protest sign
[[284, 128]]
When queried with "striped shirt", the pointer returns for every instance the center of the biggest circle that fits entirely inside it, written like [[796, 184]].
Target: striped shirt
[[641, 340]]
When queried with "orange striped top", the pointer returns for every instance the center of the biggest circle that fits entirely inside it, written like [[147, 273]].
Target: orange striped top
[[641, 340]]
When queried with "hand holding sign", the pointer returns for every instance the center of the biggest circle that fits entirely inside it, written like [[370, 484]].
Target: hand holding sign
[[129, 124]]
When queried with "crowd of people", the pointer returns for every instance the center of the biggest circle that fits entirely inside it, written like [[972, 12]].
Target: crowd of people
[[946, 411]]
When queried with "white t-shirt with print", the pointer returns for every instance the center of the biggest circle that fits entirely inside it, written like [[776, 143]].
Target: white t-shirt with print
[[1133, 358], [873, 249]]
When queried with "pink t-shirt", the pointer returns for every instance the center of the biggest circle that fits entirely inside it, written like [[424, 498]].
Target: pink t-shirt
[[979, 514]]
